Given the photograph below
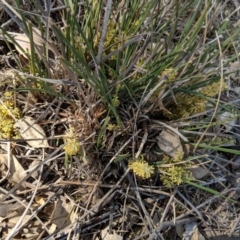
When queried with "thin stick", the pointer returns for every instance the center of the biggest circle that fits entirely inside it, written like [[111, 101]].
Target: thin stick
[[17, 227], [104, 31]]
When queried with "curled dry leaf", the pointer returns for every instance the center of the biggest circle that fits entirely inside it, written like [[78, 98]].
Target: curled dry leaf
[[30, 130], [169, 142], [23, 41], [16, 171]]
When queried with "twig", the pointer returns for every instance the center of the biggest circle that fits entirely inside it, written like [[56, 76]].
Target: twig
[[168, 206], [112, 159], [49, 159], [191, 205], [203, 204], [170, 224], [104, 31], [24, 205], [234, 227], [17, 227]]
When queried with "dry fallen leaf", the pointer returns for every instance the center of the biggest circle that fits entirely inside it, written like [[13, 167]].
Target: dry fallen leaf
[[169, 142], [6, 208], [180, 230], [60, 215], [31, 130], [233, 69], [192, 232], [198, 172], [110, 236], [26, 232], [23, 41], [34, 164], [16, 171]]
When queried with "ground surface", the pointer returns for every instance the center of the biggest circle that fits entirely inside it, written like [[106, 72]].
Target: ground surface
[[132, 146]]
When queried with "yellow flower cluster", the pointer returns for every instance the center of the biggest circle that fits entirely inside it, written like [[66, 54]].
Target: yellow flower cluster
[[116, 101], [112, 40], [188, 105], [213, 89], [174, 174], [112, 127], [177, 158], [171, 73], [7, 115], [72, 146], [141, 168]]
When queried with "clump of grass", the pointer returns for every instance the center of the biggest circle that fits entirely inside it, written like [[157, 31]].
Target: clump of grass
[[140, 56], [142, 60]]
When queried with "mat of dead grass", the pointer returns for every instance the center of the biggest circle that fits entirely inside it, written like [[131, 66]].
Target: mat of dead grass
[[46, 194]]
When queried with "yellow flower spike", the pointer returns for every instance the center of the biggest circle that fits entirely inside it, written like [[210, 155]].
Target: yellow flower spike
[[187, 105], [112, 41], [8, 94], [175, 173], [178, 157], [112, 127], [7, 115], [72, 146], [116, 101], [141, 168], [213, 89], [166, 159], [170, 72]]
